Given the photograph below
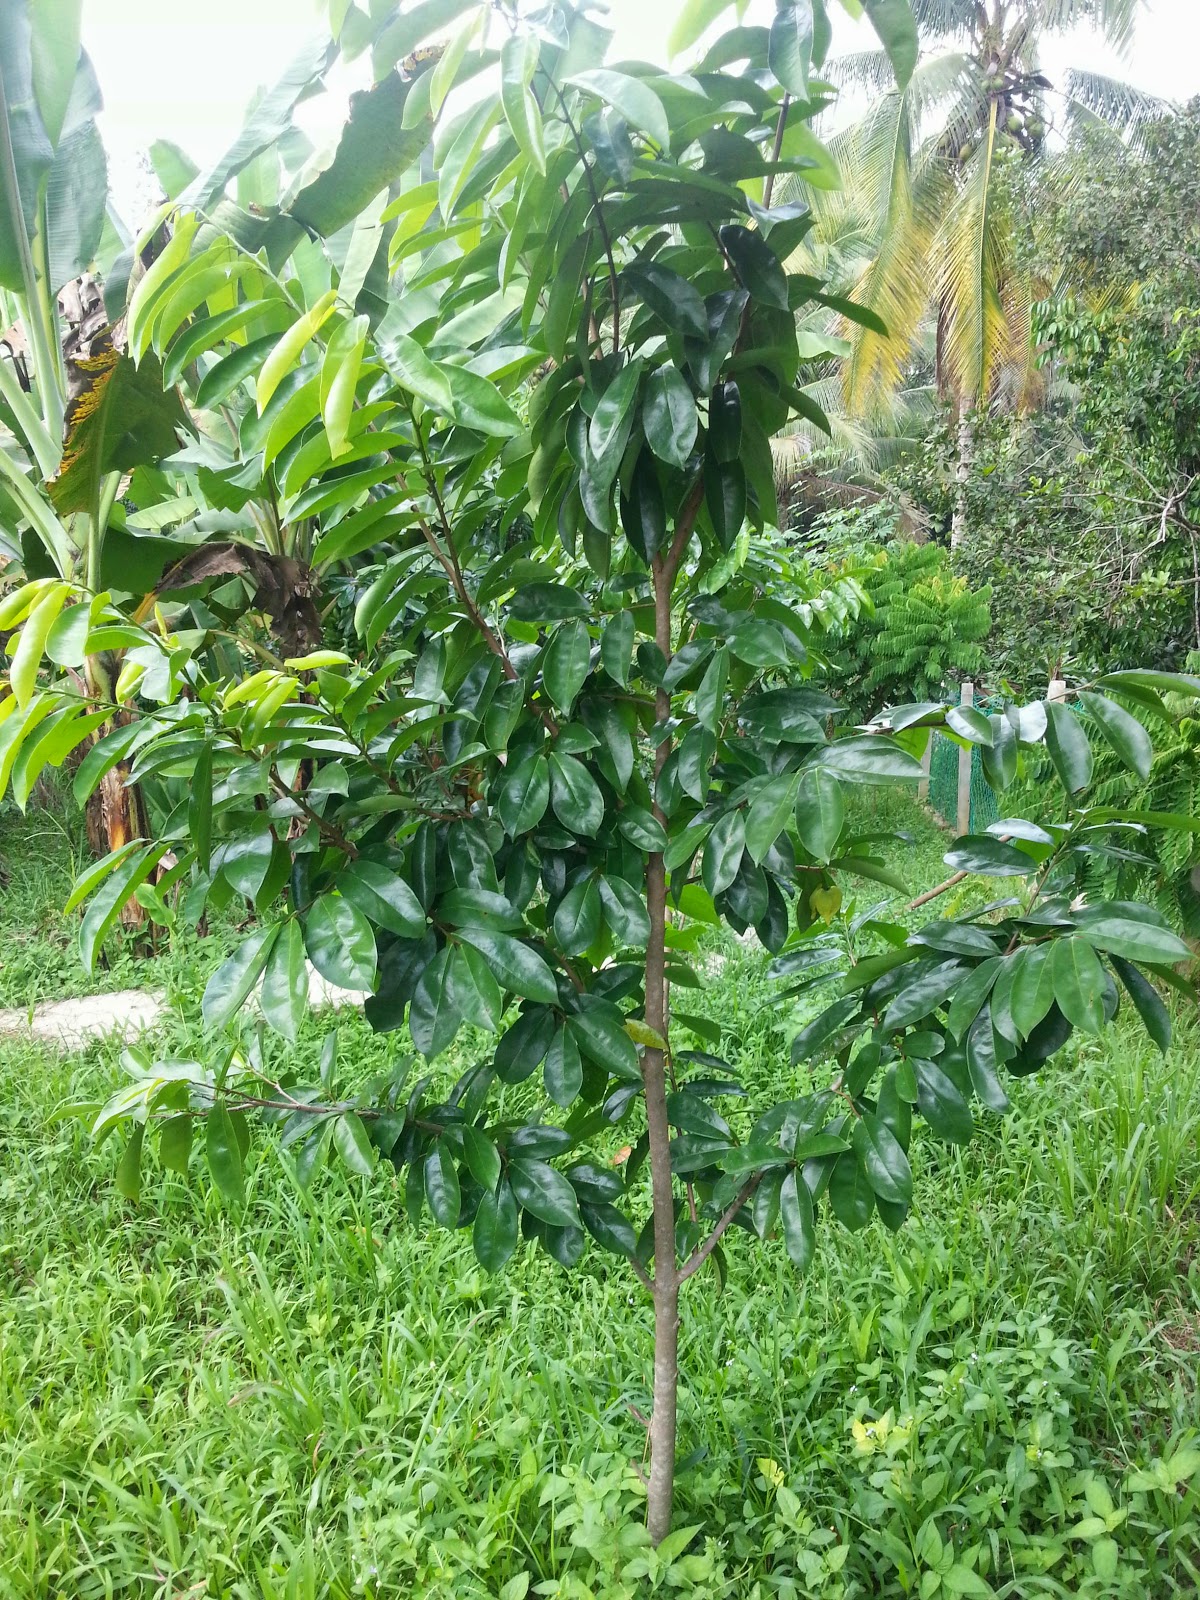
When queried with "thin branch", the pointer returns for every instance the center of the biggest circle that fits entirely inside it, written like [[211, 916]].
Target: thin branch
[[777, 151], [589, 179], [932, 894], [702, 1252], [640, 1273]]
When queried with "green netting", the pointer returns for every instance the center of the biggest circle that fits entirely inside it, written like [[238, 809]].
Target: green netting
[[943, 780]]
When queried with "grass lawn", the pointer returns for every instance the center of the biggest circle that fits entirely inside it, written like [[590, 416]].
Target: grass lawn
[[316, 1399]]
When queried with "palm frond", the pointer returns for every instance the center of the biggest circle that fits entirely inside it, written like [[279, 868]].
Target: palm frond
[[970, 251], [862, 69], [1093, 99], [939, 18], [1113, 18]]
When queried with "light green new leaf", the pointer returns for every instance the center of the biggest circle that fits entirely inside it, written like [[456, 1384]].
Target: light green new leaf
[[632, 97], [284, 997], [340, 371], [518, 63], [229, 987], [287, 352]]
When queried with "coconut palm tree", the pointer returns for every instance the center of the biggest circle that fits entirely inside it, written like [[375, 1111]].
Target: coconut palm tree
[[942, 171]]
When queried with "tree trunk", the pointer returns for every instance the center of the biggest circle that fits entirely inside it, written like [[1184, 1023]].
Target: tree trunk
[[966, 460], [654, 1067], [116, 812]]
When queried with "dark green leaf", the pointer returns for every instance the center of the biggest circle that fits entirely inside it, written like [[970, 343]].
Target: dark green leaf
[[1147, 1003], [494, 1234], [942, 1104], [923, 994], [542, 1190], [789, 53], [352, 1144], [577, 918], [524, 795], [883, 1157], [224, 1154], [669, 417], [851, 1196], [671, 297], [1068, 746], [870, 759], [612, 423], [383, 898], [723, 852], [756, 265], [984, 854], [517, 968], [1125, 734], [1079, 983], [575, 796], [340, 942], [796, 1217], [820, 810], [563, 1070], [229, 987], [566, 662], [442, 1187]]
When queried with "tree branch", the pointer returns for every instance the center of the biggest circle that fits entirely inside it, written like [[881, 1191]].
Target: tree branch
[[702, 1252]]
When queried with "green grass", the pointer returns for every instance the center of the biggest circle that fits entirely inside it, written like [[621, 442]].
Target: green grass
[[316, 1399]]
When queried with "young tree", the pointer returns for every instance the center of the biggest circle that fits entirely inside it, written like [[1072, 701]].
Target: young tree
[[572, 703]]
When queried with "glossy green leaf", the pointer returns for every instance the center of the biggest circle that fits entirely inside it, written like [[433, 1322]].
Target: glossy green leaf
[[820, 812], [231, 984], [612, 423], [575, 796], [1079, 984], [566, 663], [1068, 746], [284, 997], [851, 1197], [1147, 1003], [671, 297], [442, 1187], [669, 416], [543, 1191], [563, 1069], [1032, 992], [340, 942], [494, 1231], [128, 1176], [942, 1104], [896, 26], [517, 967], [224, 1155], [798, 1223], [352, 1144], [884, 1158], [632, 97], [577, 918], [625, 911], [175, 1143], [789, 53], [1129, 740], [524, 795], [518, 63], [723, 852], [769, 813], [383, 898], [757, 266]]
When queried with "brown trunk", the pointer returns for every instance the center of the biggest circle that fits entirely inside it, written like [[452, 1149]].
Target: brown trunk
[[654, 1067], [116, 813]]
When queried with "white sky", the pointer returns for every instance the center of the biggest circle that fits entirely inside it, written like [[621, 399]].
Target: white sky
[[183, 70]]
